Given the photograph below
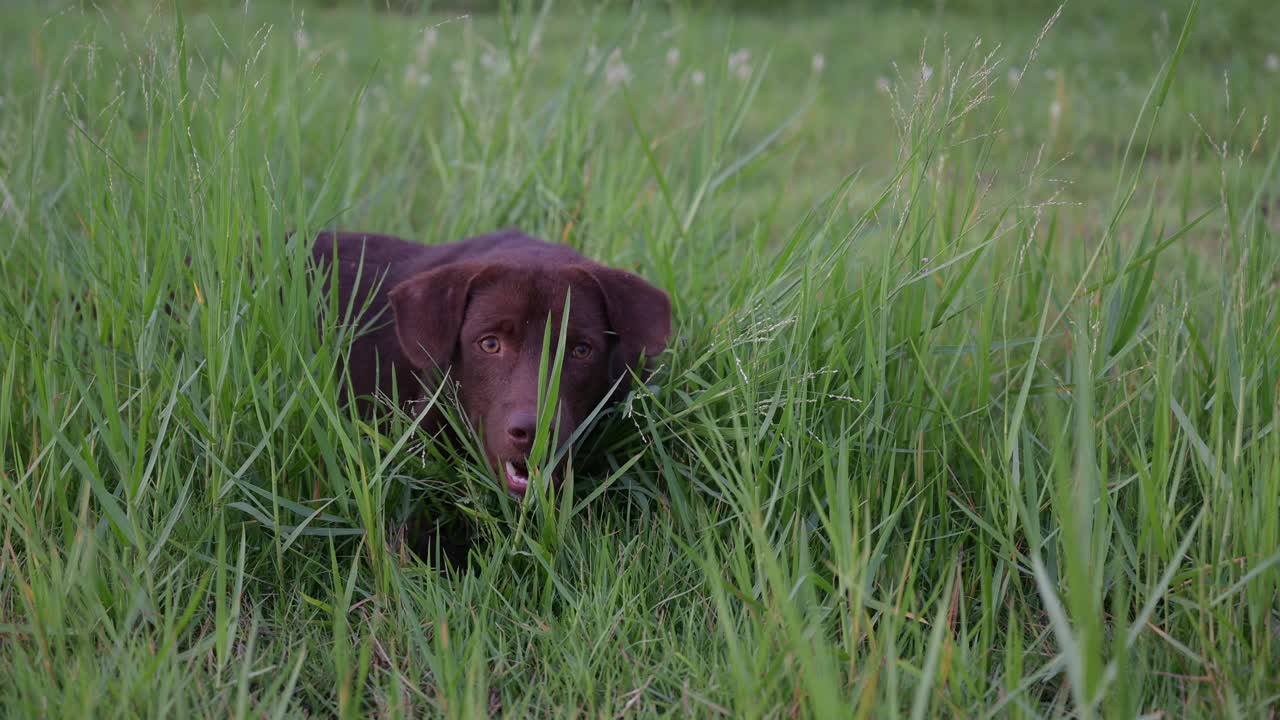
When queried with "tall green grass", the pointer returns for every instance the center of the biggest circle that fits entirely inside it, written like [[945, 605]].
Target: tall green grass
[[946, 441]]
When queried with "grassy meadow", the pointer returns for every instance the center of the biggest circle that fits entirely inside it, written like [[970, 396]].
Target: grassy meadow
[[971, 409]]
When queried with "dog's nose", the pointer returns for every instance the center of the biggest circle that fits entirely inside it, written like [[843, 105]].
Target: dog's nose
[[520, 427]]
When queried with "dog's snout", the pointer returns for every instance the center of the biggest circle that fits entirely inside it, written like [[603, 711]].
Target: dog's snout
[[520, 428]]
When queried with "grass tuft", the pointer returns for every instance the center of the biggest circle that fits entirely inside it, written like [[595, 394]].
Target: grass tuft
[[971, 407]]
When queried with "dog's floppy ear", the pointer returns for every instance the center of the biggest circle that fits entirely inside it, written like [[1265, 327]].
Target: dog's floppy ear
[[428, 309], [639, 315]]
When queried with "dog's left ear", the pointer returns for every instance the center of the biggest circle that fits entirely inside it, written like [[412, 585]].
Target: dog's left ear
[[639, 315]]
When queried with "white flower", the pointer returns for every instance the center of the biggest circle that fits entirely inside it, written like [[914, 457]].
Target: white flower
[[697, 78], [1015, 77], [301, 39], [883, 86], [459, 67], [673, 57], [819, 62], [1055, 111], [1272, 62], [493, 63], [423, 51], [616, 72], [739, 58], [743, 71], [414, 76], [1050, 74], [926, 72], [615, 75]]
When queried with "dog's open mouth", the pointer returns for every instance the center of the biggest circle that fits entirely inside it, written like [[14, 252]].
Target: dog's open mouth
[[517, 477]]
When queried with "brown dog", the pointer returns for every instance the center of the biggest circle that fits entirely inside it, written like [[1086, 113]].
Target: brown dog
[[477, 309]]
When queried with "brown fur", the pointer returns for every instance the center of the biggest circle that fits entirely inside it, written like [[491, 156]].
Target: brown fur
[[444, 308]]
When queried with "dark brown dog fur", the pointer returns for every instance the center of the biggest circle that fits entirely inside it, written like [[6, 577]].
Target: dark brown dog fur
[[477, 310]]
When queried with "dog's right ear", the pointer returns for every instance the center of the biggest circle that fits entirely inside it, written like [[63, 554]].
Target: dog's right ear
[[428, 309]]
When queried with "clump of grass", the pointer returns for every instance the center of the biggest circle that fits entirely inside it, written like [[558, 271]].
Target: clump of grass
[[940, 443]]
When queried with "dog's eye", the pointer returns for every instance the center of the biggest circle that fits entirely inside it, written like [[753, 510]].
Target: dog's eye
[[489, 344], [580, 351]]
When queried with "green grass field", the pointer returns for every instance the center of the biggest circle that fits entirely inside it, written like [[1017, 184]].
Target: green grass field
[[972, 409]]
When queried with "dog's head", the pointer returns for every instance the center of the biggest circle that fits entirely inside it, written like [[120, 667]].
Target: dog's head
[[484, 323]]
